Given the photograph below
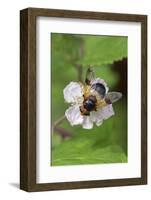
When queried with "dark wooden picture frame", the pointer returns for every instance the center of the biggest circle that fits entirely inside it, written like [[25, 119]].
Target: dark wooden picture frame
[[28, 98]]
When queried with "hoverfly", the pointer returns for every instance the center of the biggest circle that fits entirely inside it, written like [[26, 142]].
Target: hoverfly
[[95, 94]]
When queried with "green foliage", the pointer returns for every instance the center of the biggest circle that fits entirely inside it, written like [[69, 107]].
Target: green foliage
[[90, 50], [109, 154], [104, 144], [104, 49], [56, 141]]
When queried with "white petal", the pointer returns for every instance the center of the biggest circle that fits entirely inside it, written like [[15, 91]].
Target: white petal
[[99, 123], [99, 80], [102, 114], [87, 123], [107, 111], [72, 91], [73, 115], [96, 117]]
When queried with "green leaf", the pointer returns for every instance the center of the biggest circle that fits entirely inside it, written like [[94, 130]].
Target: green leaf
[[90, 49], [104, 49]]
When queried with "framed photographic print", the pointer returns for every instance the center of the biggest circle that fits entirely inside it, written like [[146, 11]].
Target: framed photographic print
[[83, 93]]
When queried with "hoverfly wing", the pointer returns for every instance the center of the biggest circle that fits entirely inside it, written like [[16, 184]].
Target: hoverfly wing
[[112, 97], [90, 75]]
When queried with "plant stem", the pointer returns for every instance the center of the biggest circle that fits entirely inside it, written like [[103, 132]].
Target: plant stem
[[59, 121], [62, 132], [79, 69]]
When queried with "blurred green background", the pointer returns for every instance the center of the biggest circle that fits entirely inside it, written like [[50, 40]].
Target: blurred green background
[[70, 56]]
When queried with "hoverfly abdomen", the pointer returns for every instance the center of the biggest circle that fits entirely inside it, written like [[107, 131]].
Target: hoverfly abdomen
[[100, 88]]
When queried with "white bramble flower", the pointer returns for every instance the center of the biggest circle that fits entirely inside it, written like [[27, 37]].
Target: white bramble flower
[[74, 94]]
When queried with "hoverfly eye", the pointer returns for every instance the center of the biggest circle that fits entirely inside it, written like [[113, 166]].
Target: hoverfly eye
[[100, 88], [89, 105]]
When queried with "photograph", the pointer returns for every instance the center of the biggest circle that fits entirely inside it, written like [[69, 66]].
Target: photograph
[[83, 99], [88, 99]]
